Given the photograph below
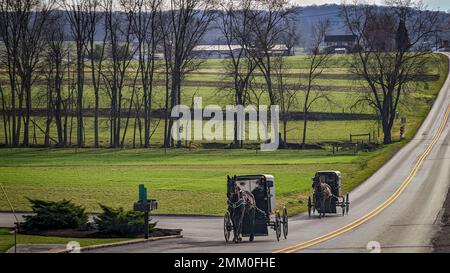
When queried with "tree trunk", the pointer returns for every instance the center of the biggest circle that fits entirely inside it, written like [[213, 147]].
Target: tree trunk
[[166, 106], [12, 79], [96, 94], [57, 104], [305, 126], [4, 114], [387, 130], [49, 112], [13, 114], [26, 127], [175, 96], [387, 137], [80, 82], [122, 144]]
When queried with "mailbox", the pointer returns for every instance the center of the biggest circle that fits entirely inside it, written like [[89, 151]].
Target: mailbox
[[145, 205], [139, 206], [153, 204]]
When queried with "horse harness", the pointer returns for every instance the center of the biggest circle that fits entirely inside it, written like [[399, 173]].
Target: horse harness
[[243, 201]]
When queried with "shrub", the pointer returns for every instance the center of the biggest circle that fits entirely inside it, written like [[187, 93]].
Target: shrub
[[54, 215], [117, 221]]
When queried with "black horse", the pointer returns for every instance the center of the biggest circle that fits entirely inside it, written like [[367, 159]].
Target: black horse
[[242, 207]]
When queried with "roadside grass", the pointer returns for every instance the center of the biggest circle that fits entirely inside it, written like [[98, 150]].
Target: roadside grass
[[7, 240]]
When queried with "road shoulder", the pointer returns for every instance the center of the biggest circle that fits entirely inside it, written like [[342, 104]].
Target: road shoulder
[[441, 241]]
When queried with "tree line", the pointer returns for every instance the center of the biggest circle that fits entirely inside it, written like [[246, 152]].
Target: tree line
[[34, 47]]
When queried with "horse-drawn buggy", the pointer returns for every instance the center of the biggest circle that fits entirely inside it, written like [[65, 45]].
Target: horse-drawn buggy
[[251, 208], [327, 194]]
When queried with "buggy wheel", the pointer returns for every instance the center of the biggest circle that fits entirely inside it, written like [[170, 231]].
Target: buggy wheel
[[227, 226], [309, 206], [251, 238], [285, 223], [347, 203], [278, 225], [343, 206]]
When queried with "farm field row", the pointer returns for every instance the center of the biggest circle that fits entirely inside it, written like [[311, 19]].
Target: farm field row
[[317, 131], [341, 101], [338, 65], [342, 93], [413, 106], [338, 101]]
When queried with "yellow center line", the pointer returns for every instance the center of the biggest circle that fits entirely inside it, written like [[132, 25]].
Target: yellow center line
[[382, 206]]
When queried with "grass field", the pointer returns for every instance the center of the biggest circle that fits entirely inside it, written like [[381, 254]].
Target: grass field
[[318, 131], [193, 181], [186, 182]]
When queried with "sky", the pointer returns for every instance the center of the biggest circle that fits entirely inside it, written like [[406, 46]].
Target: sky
[[443, 5]]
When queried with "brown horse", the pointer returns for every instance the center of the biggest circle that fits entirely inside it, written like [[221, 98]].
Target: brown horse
[[240, 204], [323, 193]]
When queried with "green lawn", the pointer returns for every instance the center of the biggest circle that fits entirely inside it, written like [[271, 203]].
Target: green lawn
[[184, 182], [7, 240]]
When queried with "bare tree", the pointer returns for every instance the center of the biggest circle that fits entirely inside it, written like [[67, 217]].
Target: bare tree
[[121, 51], [392, 52], [69, 102], [267, 21], [55, 65], [78, 17], [131, 102], [10, 17], [240, 66], [5, 116], [286, 94], [22, 26], [148, 35], [291, 36], [183, 24], [96, 53], [317, 61]]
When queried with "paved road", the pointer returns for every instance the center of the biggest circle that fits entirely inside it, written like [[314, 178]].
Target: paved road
[[398, 207]]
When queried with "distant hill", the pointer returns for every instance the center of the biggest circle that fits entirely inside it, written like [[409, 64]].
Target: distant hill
[[306, 17]]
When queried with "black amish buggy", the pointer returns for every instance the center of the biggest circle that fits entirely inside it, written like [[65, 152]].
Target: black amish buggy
[[251, 208], [328, 204]]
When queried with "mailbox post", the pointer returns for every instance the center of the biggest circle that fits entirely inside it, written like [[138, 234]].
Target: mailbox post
[[145, 205], [403, 127]]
